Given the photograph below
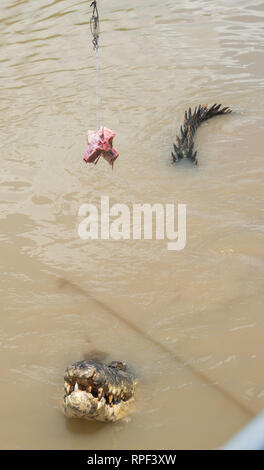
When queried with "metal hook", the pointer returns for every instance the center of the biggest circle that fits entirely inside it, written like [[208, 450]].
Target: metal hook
[[94, 25]]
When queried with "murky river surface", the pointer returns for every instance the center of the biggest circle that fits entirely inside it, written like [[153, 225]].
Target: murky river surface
[[201, 379]]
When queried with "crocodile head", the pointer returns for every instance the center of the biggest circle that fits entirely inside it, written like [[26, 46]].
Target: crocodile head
[[98, 391]]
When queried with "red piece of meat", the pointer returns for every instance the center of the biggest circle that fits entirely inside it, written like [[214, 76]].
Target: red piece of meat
[[100, 144]]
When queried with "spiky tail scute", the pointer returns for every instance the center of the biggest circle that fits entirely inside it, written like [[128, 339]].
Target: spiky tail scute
[[185, 144]]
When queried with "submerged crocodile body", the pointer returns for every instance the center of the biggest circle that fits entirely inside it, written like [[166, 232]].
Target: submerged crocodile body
[[98, 391], [185, 144]]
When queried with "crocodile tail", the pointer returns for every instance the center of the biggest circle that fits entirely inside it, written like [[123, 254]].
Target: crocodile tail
[[184, 147]]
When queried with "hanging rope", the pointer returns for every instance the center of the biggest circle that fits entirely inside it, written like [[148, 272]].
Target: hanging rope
[[95, 30]]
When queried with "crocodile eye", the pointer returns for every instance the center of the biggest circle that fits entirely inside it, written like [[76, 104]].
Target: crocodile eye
[[82, 365], [121, 365], [118, 365]]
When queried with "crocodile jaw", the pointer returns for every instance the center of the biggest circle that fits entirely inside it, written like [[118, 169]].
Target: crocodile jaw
[[82, 404], [97, 391]]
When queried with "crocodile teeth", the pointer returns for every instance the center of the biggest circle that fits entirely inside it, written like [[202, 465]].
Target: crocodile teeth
[[76, 387], [67, 388], [110, 398], [100, 393], [89, 389]]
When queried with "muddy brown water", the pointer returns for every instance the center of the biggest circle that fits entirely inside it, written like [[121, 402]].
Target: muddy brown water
[[189, 322]]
